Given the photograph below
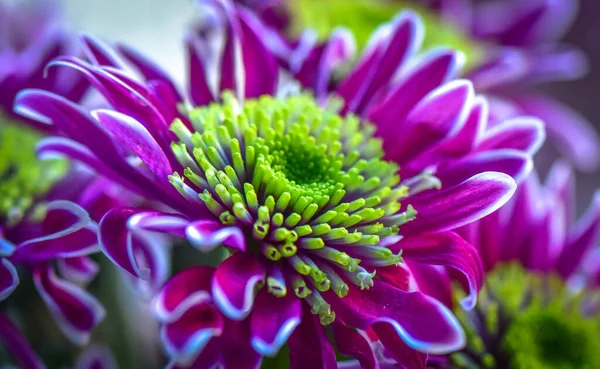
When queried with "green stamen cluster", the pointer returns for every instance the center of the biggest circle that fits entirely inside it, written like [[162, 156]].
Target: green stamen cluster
[[308, 187], [364, 16], [23, 178], [526, 320]]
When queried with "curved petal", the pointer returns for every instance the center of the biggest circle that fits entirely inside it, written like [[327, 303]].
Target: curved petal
[[159, 222], [9, 279], [309, 345], [67, 231], [272, 321], [462, 204], [234, 282], [352, 344], [80, 269], [423, 323], [137, 139], [404, 355], [151, 253], [237, 353], [185, 338], [450, 250], [17, 346], [206, 235], [187, 288], [76, 311], [522, 133]]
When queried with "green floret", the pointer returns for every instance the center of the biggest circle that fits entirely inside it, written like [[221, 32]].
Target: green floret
[[23, 178], [308, 187], [362, 17]]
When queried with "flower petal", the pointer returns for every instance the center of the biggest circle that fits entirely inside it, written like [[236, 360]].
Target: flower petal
[[9, 279], [14, 342], [315, 352], [464, 203], [206, 235], [185, 338], [525, 134], [67, 231], [272, 321], [79, 269], [137, 139], [76, 311], [237, 353], [96, 357], [450, 250], [352, 344], [187, 288], [405, 356], [423, 323], [234, 282]]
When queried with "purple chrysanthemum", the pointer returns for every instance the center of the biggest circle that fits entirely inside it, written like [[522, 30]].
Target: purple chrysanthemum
[[321, 203]]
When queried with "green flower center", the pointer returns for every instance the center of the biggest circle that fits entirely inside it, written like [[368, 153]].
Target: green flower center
[[308, 187], [362, 17], [526, 320], [23, 178]]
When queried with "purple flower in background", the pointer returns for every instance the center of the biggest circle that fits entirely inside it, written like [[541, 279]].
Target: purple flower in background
[[321, 203], [511, 46]]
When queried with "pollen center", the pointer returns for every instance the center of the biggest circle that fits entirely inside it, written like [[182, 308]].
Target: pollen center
[[307, 186]]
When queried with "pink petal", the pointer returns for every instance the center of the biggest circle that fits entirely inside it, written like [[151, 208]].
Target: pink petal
[[315, 352], [14, 342], [186, 289]]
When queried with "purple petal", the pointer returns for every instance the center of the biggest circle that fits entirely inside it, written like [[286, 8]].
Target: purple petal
[[273, 320], [548, 242], [581, 239], [234, 282], [80, 270], [14, 342], [151, 253], [573, 134], [199, 90], [237, 353], [96, 357], [76, 311], [423, 323], [6, 247], [450, 250], [462, 204], [433, 71], [437, 116], [525, 134], [137, 139], [67, 231], [206, 235], [9, 279], [207, 359], [185, 338], [405, 356], [188, 288], [561, 182], [432, 280], [504, 68], [116, 241], [159, 222], [309, 345], [514, 163], [352, 344]]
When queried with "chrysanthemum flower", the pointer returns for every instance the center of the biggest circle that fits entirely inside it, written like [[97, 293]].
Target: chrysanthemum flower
[[320, 217], [510, 45], [539, 305]]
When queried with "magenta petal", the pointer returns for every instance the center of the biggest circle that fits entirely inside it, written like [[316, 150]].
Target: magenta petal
[[100, 53], [137, 139], [309, 345], [199, 90], [9, 279], [525, 134], [234, 282], [187, 288], [96, 357], [575, 136], [514, 163], [405, 356], [67, 231], [272, 321], [159, 222], [206, 235], [450, 250], [436, 117], [116, 241], [462, 204], [185, 338], [76, 311], [432, 280], [80, 269], [352, 344], [151, 252], [423, 323], [581, 240], [237, 353], [14, 342]]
